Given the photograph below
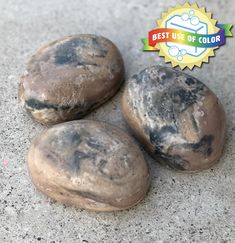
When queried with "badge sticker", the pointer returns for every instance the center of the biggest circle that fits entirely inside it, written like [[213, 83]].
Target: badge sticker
[[187, 36]]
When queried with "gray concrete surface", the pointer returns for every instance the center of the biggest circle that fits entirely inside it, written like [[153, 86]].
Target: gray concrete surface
[[179, 207]]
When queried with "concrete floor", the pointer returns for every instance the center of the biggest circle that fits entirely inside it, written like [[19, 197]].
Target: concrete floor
[[179, 207]]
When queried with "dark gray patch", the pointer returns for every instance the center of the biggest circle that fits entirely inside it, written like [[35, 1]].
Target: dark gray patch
[[100, 51], [95, 145], [102, 164], [39, 105], [65, 140], [70, 136], [141, 77], [75, 160], [209, 151], [66, 53], [167, 73], [183, 98], [164, 107], [74, 137], [203, 146], [190, 81], [56, 160], [53, 156], [157, 136]]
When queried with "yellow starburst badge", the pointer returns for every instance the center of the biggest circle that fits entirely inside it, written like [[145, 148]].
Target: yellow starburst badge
[[187, 36]]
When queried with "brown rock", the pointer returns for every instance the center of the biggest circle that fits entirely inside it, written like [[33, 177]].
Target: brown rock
[[89, 164], [177, 118], [70, 77]]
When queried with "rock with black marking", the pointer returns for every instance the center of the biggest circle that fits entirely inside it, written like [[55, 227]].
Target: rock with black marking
[[70, 77], [178, 118], [89, 164]]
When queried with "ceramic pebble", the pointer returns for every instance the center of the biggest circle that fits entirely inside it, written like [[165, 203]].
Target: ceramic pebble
[[89, 164], [68, 78], [177, 118]]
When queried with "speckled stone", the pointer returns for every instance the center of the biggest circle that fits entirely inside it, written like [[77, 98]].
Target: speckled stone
[[89, 164], [69, 77], [178, 119]]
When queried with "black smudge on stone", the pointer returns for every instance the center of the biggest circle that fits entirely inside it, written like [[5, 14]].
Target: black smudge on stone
[[183, 98], [179, 98], [67, 52], [75, 160], [99, 49], [75, 137], [190, 81], [93, 143], [102, 164], [71, 137], [65, 140], [39, 105], [203, 146], [164, 108], [167, 73], [205, 140], [141, 77], [52, 156], [77, 110], [158, 136]]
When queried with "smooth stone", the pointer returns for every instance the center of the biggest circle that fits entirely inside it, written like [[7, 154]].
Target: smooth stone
[[68, 78], [178, 119], [89, 164]]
